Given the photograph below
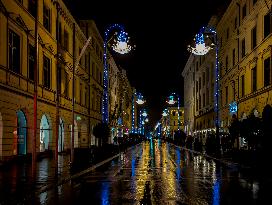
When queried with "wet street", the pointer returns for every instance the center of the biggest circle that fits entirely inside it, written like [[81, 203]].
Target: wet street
[[156, 172]]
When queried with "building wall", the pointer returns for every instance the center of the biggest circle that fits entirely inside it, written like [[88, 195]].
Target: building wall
[[199, 84], [176, 117], [189, 86], [17, 87], [114, 99], [95, 50], [249, 100], [233, 29]]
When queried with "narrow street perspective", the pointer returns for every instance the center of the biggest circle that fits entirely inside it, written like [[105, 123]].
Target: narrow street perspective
[[135, 102], [157, 172]]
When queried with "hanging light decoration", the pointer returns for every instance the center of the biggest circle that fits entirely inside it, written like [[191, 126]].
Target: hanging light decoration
[[164, 114], [200, 48], [121, 44], [171, 100], [146, 120], [144, 113], [140, 99]]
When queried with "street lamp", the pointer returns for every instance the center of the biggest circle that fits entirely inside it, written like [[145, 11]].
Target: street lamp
[[172, 101], [165, 121], [140, 101], [120, 45], [143, 116], [202, 49]]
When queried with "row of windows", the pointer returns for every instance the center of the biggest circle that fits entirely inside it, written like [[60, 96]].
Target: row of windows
[[14, 59], [204, 100], [199, 62], [205, 124], [174, 113], [267, 76], [244, 13], [205, 79], [175, 123], [62, 35], [244, 47]]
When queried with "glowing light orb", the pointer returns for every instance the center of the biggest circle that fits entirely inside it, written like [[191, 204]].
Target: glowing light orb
[[164, 114], [140, 101], [144, 114], [171, 100]]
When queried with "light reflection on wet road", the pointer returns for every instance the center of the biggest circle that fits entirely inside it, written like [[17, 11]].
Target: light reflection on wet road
[[156, 172]]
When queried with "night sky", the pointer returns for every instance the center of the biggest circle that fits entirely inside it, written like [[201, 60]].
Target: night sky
[[161, 31]]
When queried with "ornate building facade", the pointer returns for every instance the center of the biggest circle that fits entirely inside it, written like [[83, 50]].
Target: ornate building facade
[[61, 40], [199, 78], [245, 59]]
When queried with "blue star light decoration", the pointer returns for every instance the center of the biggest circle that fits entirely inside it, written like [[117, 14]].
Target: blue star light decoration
[[233, 108]]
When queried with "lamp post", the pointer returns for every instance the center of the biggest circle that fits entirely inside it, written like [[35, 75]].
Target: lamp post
[[142, 122], [140, 101], [121, 46], [166, 121], [172, 101], [202, 49]]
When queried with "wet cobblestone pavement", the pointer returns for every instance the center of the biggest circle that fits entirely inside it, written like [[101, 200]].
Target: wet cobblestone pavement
[[160, 173], [156, 172]]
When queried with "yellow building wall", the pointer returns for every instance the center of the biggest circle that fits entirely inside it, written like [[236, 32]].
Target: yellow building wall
[[253, 57], [16, 90]]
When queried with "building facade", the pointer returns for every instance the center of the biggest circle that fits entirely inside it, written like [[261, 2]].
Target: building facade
[[61, 40], [114, 99], [245, 55], [171, 121], [199, 71], [244, 43], [188, 74]]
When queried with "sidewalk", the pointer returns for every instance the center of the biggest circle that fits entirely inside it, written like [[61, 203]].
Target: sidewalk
[[16, 177]]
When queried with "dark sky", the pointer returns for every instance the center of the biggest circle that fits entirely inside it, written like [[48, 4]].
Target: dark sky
[[161, 31]]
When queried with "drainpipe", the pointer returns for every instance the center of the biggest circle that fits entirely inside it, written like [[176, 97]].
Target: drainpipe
[[35, 92], [73, 96], [238, 64], [57, 91], [238, 57]]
